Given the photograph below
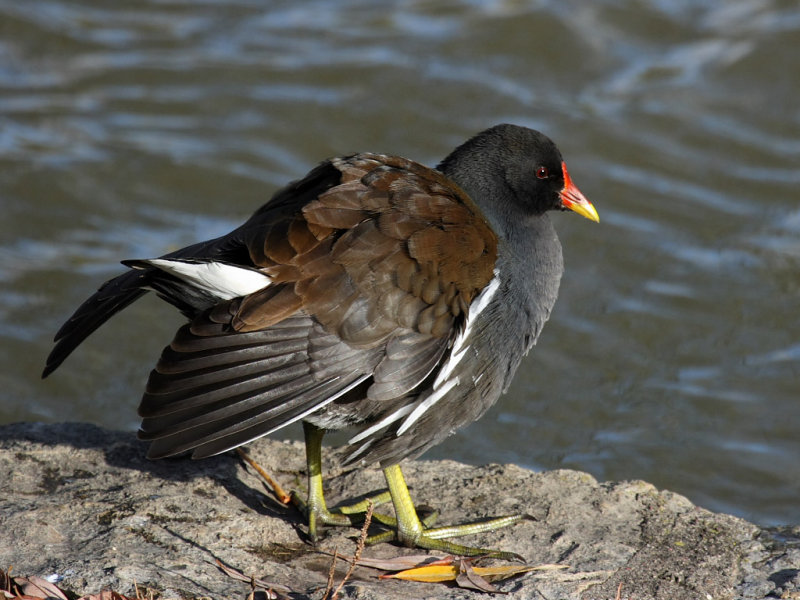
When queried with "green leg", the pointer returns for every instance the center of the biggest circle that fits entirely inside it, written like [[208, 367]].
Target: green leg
[[406, 528], [412, 533], [314, 507]]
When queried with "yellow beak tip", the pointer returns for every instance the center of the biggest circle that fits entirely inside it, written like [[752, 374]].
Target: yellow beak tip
[[585, 209]]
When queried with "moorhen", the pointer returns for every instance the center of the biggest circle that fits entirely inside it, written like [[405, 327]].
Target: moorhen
[[374, 293]]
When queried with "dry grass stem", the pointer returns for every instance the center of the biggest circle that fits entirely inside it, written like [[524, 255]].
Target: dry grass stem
[[279, 492], [362, 541]]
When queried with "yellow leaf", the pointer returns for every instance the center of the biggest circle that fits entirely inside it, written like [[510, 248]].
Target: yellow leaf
[[439, 573], [430, 574]]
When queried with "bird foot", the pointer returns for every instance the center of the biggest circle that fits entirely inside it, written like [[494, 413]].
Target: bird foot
[[317, 513], [423, 536]]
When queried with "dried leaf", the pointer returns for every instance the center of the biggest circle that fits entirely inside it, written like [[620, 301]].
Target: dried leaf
[[272, 588], [440, 573], [427, 574], [505, 571], [400, 563], [106, 595], [5, 581], [37, 587], [469, 579]]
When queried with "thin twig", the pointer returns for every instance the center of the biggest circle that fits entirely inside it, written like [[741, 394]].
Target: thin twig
[[279, 492], [362, 541], [330, 593], [331, 574]]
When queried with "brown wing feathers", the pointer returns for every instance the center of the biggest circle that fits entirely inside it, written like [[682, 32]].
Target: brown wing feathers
[[368, 281], [416, 244]]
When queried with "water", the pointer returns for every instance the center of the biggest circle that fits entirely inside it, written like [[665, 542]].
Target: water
[[673, 355]]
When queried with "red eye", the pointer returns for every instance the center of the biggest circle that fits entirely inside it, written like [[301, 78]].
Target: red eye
[[542, 173]]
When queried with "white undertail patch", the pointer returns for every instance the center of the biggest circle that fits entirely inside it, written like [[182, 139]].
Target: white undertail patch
[[223, 280]]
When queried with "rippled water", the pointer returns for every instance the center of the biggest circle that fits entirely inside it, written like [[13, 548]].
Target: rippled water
[[673, 355]]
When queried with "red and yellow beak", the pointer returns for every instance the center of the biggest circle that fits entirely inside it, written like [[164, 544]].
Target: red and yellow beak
[[573, 199]]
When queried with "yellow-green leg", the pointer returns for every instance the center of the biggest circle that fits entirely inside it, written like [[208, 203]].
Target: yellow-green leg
[[411, 532], [314, 507], [407, 528]]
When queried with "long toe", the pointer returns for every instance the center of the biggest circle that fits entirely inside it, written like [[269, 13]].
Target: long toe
[[411, 532]]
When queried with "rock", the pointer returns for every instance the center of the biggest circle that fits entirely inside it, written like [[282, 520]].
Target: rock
[[81, 503]]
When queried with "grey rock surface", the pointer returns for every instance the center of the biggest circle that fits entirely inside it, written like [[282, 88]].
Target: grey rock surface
[[83, 504]]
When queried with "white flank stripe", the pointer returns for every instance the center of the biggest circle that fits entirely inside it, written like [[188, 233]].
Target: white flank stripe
[[218, 279], [363, 448], [395, 416], [425, 404], [457, 352], [443, 383], [452, 361]]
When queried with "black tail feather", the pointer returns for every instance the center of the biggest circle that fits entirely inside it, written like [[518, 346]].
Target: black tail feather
[[112, 297]]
